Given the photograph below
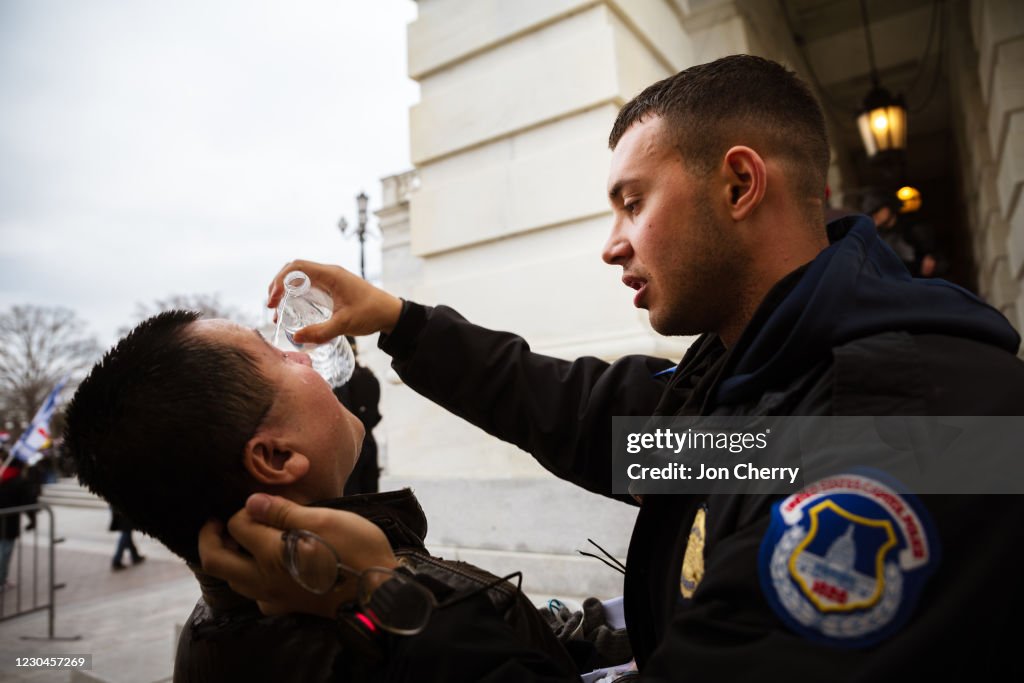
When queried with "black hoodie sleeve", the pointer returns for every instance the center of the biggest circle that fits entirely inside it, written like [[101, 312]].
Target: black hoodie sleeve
[[556, 410]]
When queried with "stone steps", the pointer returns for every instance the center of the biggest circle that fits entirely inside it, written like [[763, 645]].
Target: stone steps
[[69, 493]]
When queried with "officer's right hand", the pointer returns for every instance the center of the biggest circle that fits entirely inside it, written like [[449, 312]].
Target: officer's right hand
[[359, 307]]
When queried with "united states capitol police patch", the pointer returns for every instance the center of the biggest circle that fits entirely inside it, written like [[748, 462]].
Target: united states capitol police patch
[[845, 559]]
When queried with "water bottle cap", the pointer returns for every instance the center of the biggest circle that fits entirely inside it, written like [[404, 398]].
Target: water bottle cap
[[296, 283]]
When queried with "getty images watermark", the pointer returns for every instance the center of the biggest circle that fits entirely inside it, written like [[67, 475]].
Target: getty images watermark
[[780, 455]]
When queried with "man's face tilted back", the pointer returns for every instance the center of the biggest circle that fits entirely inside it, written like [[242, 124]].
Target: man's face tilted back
[[308, 443], [665, 235]]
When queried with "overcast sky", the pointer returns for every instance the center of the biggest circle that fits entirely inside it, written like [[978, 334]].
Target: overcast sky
[[156, 148]]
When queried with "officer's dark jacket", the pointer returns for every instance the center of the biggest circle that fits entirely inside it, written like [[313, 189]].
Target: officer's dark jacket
[[226, 638], [848, 334]]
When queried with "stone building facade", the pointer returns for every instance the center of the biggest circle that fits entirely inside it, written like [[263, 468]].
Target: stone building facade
[[505, 215]]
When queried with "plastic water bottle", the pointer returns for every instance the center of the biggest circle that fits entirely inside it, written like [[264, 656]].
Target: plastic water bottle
[[304, 305]]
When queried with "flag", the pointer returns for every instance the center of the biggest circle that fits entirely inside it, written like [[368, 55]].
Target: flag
[[37, 435]]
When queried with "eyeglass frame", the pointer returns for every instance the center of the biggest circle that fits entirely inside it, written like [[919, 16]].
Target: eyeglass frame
[[290, 538]]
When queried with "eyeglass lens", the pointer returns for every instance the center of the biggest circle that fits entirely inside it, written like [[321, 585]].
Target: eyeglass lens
[[312, 563]]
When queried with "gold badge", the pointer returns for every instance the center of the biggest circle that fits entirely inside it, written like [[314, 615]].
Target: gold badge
[[693, 560]]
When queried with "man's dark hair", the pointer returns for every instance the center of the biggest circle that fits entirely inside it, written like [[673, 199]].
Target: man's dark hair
[[740, 99], [159, 427]]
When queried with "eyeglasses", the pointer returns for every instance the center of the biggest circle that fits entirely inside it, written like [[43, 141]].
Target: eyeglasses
[[391, 600]]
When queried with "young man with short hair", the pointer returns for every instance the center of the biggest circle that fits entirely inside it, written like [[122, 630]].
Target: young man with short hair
[[181, 421]]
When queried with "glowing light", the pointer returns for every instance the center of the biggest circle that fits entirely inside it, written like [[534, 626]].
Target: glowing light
[[883, 123], [910, 197]]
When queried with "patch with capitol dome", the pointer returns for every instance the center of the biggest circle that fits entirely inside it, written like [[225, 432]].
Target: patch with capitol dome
[[845, 559]]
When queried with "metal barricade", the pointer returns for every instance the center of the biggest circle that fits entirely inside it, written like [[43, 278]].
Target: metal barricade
[[14, 599]]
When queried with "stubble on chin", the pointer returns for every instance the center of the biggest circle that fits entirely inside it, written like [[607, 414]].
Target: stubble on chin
[[668, 325], [681, 319]]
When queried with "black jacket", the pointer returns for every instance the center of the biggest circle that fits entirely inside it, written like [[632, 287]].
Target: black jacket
[[226, 638], [848, 334]]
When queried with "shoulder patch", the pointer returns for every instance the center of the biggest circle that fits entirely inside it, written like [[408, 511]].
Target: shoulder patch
[[845, 559]]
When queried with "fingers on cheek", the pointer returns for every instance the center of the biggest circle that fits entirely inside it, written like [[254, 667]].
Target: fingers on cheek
[[320, 519], [280, 515], [232, 545], [213, 566], [238, 522]]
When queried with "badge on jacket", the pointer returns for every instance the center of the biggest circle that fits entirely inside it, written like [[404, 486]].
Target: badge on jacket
[[693, 559], [845, 559]]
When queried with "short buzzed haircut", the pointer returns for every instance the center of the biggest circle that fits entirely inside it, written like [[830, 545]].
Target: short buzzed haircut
[[739, 99], [159, 428]]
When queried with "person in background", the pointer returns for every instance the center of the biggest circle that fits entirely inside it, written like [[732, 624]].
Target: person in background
[[125, 544], [914, 243], [15, 491], [361, 395]]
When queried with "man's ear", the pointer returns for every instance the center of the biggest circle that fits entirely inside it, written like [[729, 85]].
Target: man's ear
[[746, 181], [271, 462]]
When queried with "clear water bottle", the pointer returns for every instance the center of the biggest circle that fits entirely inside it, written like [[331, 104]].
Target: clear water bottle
[[304, 305]]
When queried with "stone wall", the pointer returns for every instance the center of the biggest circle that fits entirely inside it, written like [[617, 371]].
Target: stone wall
[[987, 75]]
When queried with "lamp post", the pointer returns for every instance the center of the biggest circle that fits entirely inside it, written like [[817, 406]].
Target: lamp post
[[361, 203]]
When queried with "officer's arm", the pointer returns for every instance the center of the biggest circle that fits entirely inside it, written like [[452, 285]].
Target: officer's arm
[[559, 411]]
